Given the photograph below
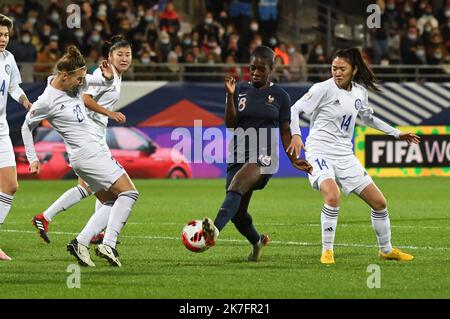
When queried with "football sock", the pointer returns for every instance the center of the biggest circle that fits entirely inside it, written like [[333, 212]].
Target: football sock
[[382, 226], [96, 223], [5, 205], [244, 224], [328, 221], [98, 204], [65, 201], [119, 216], [228, 209]]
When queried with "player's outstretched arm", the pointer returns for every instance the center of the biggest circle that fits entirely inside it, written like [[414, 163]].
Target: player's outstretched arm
[[91, 104]]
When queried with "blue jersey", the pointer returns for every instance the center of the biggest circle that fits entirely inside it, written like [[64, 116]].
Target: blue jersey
[[260, 111]]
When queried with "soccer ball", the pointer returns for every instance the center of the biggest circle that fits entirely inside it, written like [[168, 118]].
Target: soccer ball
[[192, 236]]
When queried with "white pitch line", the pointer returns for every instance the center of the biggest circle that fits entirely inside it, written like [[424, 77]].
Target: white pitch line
[[290, 243]]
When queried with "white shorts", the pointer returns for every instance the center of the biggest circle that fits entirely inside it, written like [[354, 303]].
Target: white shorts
[[7, 157], [347, 171], [98, 169]]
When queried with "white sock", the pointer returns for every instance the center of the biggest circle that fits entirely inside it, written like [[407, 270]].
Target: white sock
[[98, 204], [382, 226], [5, 205], [96, 224], [65, 201], [119, 216], [328, 220]]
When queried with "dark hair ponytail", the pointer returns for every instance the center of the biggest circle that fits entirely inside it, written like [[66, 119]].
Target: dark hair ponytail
[[364, 75], [72, 60], [116, 42]]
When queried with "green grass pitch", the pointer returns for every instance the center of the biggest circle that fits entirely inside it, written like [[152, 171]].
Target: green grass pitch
[[156, 264]]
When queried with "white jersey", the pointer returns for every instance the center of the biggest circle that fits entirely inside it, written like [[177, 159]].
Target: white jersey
[[67, 115], [106, 97], [9, 83], [333, 115]]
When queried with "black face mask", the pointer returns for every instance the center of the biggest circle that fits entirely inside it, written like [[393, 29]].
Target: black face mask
[[54, 51]]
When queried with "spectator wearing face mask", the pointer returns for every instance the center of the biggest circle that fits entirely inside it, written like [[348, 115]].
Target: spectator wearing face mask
[[24, 50], [297, 64], [438, 57], [408, 44], [163, 45], [317, 56], [407, 12], [144, 70], [444, 13], [95, 40], [427, 17], [207, 28]]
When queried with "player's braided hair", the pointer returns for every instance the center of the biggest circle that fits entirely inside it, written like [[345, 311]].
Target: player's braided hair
[[117, 42], [264, 53], [364, 75], [5, 21], [71, 61]]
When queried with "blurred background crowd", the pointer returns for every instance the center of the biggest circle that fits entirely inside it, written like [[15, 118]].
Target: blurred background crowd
[[412, 32]]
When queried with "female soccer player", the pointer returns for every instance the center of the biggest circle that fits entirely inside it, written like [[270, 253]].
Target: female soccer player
[[62, 105], [261, 107], [9, 83], [334, 105], [100, 101]]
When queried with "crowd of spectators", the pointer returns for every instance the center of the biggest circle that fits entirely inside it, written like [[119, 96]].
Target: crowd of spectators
[[411, 33]]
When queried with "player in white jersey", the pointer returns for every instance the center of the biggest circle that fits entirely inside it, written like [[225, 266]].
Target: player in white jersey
[[99, 101], [62, 105], [334, 105], [9, 83]]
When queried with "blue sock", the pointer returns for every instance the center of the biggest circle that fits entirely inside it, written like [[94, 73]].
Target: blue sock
[[228, 209], [244, 224]]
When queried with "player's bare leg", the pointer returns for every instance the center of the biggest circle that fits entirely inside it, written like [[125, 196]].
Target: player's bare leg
[[8, 187]]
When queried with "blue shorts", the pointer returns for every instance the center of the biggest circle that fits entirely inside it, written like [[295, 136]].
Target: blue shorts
[[232, 169]]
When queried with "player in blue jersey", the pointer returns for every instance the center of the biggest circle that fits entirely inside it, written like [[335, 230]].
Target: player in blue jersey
[[262, 108]]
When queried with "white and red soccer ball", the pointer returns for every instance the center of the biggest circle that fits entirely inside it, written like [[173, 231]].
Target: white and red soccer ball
[[192, 236]]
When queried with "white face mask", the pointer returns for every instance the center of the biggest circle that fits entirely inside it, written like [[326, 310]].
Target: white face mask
[[218, 50], [438, 56], [428, 29], [55, 16], [149, 19], [254, 27], [319, 51], [291, 50], [420, 53], [447, 13], [26, 39], [145, 60], [32, 20], [99, 27], [412, 37], [208, 20], [384, 62], [95, 38], [79, 34]]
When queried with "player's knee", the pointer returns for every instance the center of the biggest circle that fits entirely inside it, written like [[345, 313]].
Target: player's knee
[[333, 199], [379, 204], [11, 188]]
